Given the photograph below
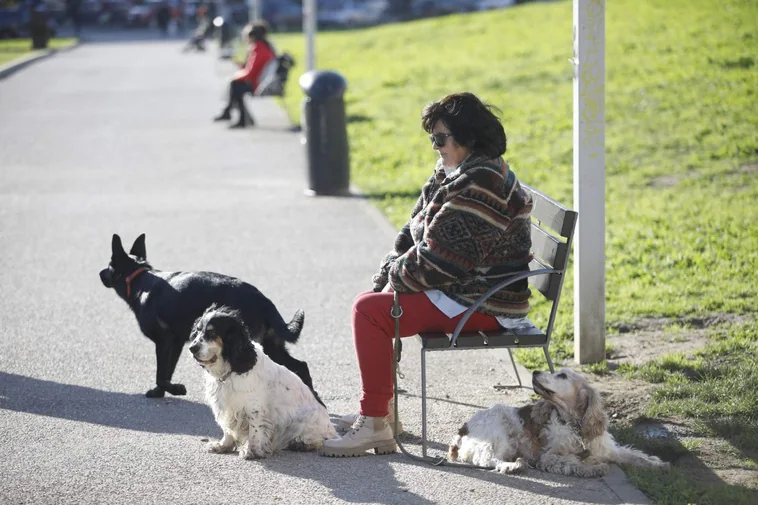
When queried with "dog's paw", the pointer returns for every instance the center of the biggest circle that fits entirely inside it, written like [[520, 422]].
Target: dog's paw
[[155, 393], [597, 470], [510, 467], [252, 453], [177, 389], [217, 448]]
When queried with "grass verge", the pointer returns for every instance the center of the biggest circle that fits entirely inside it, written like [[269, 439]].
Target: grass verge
[[708, 404], [13, 49]]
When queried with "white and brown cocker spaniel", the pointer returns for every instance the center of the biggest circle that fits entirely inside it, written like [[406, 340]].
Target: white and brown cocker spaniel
[[260, 405], [565, 432]]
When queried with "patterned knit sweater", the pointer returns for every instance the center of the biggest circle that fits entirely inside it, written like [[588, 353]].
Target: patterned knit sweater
[[467, 232]]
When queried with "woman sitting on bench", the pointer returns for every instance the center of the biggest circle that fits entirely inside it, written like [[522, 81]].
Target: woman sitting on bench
[[246, 79], [469, 229]]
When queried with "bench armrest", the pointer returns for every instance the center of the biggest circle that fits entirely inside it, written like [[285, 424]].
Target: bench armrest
[[492, 291]]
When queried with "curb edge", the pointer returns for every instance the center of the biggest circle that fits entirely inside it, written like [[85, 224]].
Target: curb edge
[[16, 65]]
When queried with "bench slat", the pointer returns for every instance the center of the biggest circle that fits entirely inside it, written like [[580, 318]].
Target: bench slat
[[548, 285], [502, 338], [549, 249], [551, 213]]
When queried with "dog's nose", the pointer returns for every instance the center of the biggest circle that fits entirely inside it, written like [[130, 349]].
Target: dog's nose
[[194, 348], [105, 278], [536, 373]]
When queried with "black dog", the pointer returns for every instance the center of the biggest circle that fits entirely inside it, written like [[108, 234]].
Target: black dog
[[167, 304]]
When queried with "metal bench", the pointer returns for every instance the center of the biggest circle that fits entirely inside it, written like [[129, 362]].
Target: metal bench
[[273, 82], [552, 230]]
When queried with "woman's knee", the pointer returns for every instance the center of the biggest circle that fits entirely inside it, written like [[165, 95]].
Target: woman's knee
[[369, 302], [361, 295], [237, 87]]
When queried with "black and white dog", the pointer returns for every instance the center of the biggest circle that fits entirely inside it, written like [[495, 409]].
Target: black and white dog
[[167, 304], [261, 406]]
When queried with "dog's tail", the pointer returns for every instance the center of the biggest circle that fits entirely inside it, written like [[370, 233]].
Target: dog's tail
[[629, 456], [289, 332], [296, 325]]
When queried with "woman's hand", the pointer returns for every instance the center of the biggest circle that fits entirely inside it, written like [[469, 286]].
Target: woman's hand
[[379, 281]]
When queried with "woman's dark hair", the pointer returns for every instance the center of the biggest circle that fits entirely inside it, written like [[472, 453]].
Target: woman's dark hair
[[259, 30], [471, 121]]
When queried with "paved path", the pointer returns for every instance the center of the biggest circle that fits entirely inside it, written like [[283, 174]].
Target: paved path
[[115, 136]]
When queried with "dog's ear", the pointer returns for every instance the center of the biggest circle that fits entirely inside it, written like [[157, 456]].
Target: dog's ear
[[541, 412], [196, 329], [239, 350], [138, 248], [594, 419], [117, 250]]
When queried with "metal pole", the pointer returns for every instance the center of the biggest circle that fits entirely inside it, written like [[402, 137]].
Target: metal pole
[[309, 29], [589, 180], [255, 10]]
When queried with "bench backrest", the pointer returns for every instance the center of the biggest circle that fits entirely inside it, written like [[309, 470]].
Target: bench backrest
[[552, 230], [274, 76]]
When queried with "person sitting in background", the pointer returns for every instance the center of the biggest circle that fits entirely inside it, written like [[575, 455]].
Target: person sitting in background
[[469, 230], [248, 77], [203, 30]]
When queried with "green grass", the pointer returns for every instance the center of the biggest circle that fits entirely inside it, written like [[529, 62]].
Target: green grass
[[681, 142], [13, 49], [681, 166], [716, 390], [718, 384], [678, 488]]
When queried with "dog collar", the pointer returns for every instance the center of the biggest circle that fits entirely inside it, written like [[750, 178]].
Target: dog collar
[[223, 378], [131, 277], [576, 428]]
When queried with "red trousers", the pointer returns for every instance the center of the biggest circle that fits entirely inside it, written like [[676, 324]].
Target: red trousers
[[374, 331]]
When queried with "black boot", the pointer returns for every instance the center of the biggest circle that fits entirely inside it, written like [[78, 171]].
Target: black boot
[[239, 124], [225, 115], [245, 119]]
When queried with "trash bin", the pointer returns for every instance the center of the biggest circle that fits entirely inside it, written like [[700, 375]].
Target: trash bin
[[325, 133], [39, 30]]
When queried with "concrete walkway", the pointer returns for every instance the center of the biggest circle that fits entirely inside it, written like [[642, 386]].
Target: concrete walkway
[[116, 136]]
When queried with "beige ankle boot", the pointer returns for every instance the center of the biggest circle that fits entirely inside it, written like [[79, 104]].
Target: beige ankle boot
[[348, 420], [367, 433]]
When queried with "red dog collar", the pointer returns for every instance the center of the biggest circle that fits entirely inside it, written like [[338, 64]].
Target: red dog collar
[[131, 277]]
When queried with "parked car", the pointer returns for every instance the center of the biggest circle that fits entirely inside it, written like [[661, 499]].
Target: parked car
[[114, 12], [142, 14], [284, 15], [14, 18], [90, 11], [351, 14], [328, 13], [56, 10], [485, 5], [430, 8], [370, 12], [239, 12]]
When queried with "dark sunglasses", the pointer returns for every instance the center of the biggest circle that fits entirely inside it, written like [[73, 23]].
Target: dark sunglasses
[[439, 139]]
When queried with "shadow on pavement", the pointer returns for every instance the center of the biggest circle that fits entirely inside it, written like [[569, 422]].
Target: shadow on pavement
[[533, 481], [379, 484], [107, 408]]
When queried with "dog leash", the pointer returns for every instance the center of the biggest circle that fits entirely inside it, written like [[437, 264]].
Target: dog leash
[[396, 312]]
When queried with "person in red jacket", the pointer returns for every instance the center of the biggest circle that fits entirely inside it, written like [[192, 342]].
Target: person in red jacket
[[248, 77]]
